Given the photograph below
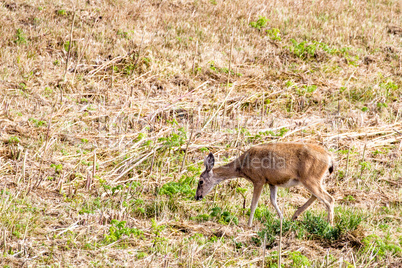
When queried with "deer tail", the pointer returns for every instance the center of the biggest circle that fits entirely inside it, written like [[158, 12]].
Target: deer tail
[[331, 166]]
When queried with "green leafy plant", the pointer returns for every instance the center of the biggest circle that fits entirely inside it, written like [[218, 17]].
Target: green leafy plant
[[260, 23], [37, 123], [303, 49], [13, 140], [90, 206], [298, 260], [66, 46], [118, 229], [390, 87], [280, 133], [271, 260], [349, 198], [57, 168], [184, 187], [123, 34], [48, 92], [20, 37], [274, 34], [156, 228], [140, 255], [213, 67], [380, 246], [223, 217], [381, 105], [61, 12], [175, 139]]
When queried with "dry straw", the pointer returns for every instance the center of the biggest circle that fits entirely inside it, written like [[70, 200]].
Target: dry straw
[[153, 86]]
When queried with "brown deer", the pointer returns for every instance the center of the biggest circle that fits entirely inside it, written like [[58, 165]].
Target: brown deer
[[275, 164]]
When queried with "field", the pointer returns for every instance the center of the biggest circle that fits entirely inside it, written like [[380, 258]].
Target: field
[[108, 108]]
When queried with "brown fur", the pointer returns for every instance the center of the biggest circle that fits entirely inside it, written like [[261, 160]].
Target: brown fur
[[275, 164]]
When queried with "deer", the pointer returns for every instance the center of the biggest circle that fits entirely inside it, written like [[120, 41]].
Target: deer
[[278, 165]]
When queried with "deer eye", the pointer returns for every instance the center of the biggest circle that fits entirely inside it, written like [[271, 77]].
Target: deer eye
[[201, 182]]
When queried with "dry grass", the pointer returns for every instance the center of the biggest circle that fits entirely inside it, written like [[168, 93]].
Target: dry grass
[[135, 87]]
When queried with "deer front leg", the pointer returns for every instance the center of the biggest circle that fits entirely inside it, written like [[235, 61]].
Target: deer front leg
[[256, 196]]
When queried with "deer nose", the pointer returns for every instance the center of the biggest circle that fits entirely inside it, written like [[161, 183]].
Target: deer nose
[[198, 197]]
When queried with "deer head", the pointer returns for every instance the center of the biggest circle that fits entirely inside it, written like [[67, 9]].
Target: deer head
[[207, 178]]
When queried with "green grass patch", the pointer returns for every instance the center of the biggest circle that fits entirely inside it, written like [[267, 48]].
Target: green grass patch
[[313, 227]]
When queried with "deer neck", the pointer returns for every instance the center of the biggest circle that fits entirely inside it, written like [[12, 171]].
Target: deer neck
[[226, 172]]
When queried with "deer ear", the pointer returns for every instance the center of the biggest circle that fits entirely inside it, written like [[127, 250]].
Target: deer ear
[[209, 162]]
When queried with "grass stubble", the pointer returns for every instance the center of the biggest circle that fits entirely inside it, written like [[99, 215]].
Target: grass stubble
[[109, 107]]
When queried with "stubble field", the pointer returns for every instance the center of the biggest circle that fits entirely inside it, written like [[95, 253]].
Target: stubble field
[[108, 109]]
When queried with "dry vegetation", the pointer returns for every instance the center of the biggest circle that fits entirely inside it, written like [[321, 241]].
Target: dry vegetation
[[109, 107]]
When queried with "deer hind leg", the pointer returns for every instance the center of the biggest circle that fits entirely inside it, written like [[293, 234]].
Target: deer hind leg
[[256, 196], [319, 192], [273, 190]]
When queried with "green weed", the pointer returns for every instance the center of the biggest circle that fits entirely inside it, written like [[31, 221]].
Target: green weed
[[271, 260], [260, 135], [174, 140], [306, 50], [61, 12], [303, 50], [223, 217], [260, 23], [298, 260], [38, 123], [90, 206], [123, 34], [140, 255], [274, 34], [185, 187], [20, 37], [66, 46], [381, 247], [57, 168], [118, 229], [13, 140]]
